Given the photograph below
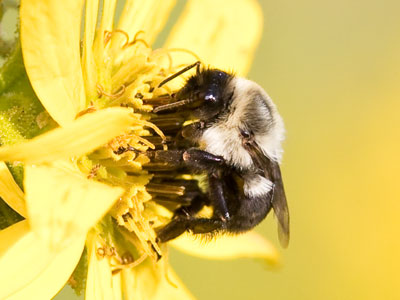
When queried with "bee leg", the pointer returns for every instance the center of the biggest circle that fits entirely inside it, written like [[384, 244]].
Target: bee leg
[[188, 136], [216, 190], [188, 211], [193, 132], [169, 157], [183, 218], [196, 225], [194, 159], [199, 160], [172, 230]]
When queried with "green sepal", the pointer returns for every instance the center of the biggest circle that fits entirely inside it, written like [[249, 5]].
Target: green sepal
[[77, 280], [7, 215], [12, 69]]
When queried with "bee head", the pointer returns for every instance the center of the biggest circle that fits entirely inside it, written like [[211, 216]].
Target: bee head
[[249, 124]]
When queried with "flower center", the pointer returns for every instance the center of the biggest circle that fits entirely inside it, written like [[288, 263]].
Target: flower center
[[127, 73]]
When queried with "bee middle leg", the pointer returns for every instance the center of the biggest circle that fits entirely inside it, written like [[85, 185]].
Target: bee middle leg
[[218, 196], [184, 218]]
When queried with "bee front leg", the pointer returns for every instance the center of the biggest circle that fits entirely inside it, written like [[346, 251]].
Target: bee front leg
[[194, 159], [193, 132]]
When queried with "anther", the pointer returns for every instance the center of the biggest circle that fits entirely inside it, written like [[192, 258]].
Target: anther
[[127, 258], [93, 171], [127, 216], [107, 36], [101, 252]]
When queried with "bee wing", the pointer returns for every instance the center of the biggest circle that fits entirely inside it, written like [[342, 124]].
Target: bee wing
[[272, 171], [279, 204]]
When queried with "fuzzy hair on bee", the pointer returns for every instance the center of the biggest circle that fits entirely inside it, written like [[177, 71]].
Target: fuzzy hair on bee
[[236, 141]]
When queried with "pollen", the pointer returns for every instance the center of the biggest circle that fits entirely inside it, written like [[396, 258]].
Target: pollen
[[128, 75]]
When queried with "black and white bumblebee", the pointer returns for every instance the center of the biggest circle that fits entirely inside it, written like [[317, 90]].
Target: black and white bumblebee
[[236, 142]]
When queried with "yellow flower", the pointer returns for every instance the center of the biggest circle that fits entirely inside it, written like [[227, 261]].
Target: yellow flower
[[82, 184]]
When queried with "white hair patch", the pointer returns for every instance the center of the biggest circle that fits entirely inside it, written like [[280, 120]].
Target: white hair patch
[[256, 185], [224, 141]]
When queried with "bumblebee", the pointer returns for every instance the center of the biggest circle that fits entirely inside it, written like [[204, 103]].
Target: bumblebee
[[236, 143]]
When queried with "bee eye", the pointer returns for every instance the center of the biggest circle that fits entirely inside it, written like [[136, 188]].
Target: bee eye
[[245, 133], [210, 98]]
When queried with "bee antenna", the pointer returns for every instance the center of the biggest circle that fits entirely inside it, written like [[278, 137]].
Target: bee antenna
[[172, 105], [173, 76]]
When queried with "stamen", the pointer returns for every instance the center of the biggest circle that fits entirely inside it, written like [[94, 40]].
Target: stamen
[[101, 252], [145, 142], [156, 129], [137, 34], [178, 50], [136, 40], [126, 258], [131, 225], [160, 52], [125, 34], [93, 171], [108, 35], [170, 62], [100, 92], [135, 263], [105, 251], [88, 110]]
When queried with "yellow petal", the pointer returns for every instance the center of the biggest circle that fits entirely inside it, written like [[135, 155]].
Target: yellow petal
[[28, 270], [50, 40], [99, 284], [172, 288], [141, 282], [153, 281], [63, 204], [224, 35], [107, 18], [147, 15], [77, 138], [88, 62], [10, 191], [250, 245], [117, 286], [103, 60]]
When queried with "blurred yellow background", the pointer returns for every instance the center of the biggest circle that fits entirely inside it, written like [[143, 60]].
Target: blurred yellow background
[[333, 69]]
